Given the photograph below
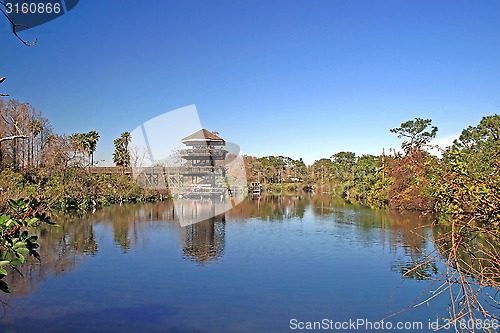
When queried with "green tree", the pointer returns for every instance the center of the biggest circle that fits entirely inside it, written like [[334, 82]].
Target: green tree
[[416, 133], [321, 172], [466, 186], [85, 143], [486, 135], [342, 172], [121, 155], [299, 170], [91, 139], [468, 179], [77, 142], [366, 174]]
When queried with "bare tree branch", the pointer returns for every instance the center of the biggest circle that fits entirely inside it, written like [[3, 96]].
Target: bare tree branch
[[15, 25], [19, 135], [1, 81], [13, 137]]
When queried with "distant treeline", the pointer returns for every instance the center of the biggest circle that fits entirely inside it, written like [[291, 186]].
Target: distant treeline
[[463, 182]]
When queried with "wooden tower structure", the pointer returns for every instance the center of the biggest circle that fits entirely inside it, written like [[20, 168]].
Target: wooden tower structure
[[202, 173]]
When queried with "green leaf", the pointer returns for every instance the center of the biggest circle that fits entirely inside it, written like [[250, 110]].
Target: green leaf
[[9, 222], [17, 261], [21, 203], [20, 244], [31, 221], [4, 218], [12, 203], [4, 263], [3, 271]]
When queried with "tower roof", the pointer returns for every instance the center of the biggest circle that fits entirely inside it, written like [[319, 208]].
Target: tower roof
[[203, 136]]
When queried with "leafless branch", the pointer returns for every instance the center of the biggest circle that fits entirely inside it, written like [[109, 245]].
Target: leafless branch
[[15, 25], [13, 137], [19, 135], [1, 81]]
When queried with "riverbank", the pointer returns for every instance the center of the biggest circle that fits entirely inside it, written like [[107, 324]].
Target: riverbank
[[73, 189]]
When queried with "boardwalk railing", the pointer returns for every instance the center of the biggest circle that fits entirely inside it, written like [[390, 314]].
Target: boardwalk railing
[[188, 170], [110, 170]]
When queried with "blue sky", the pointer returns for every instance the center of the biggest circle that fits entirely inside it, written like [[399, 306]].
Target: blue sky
[[295, 78]]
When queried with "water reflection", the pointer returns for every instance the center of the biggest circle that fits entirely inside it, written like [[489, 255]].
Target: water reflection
[[204, 242], [191, 211], [271, 208], [125, 220], [61, 249], [306, 256]]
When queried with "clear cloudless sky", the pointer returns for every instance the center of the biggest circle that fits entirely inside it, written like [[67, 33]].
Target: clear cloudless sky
[[298, 78]]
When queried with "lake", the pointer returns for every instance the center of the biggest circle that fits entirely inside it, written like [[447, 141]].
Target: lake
[[277, 264]]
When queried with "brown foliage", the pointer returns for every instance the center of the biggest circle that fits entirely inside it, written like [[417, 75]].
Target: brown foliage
[[26, 137], [410, 182]]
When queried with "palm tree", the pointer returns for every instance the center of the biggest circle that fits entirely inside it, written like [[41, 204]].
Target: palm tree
[[77, 142], [126, 137], [35, 128], [91, 139], [121, 156]]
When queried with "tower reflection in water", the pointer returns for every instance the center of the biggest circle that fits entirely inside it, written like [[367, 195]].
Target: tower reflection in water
[[203, 241]]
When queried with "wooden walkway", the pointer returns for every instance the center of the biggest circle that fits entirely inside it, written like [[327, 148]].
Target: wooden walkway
[[110, 170], [189, 171], [152, 177]]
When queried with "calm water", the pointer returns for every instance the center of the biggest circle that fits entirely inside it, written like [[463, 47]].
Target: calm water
[[266, 262]]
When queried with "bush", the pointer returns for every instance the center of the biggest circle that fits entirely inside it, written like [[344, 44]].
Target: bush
[[74, 189], [15, 237]]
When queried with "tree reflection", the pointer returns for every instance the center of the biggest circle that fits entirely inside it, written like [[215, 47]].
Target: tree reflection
[[395, 231], [61, 249], [325, 205], [124, 220], [204, 241], [410, 233], [271, 207]]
